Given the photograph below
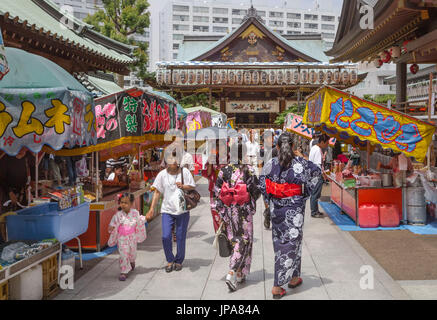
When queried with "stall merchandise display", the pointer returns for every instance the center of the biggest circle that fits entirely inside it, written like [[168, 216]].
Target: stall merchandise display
[[12, 252]]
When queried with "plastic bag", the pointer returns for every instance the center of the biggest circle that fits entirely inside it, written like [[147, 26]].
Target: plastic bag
[[8, 253]]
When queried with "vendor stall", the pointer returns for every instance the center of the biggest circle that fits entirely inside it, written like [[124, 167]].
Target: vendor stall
[[363, 193]]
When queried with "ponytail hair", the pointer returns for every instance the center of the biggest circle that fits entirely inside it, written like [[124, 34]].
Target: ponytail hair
[[286, 154], [244, 168]]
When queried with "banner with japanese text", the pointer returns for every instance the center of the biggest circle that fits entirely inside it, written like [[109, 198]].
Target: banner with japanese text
[[357, 121], [4, 68], [294, 124], [57, 117], [198, 120]]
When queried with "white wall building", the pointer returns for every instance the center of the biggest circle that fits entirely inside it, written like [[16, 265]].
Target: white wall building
[[81, 8], [190, 17]]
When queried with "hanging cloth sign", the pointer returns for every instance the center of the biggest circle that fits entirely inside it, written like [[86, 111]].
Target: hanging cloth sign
[[4, 69]]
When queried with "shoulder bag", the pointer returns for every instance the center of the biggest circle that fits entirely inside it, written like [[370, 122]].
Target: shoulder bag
[[192, 197], [222, 243]]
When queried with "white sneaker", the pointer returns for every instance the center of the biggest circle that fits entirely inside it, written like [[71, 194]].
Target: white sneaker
[[241, 279], [231, 281]]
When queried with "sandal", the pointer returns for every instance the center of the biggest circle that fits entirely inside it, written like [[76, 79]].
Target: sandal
[[122, 277], [178, 267], [298, 283], [280, 295], [169, 268]]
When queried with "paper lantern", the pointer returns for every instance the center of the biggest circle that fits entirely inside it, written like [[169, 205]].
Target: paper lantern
[[255, 77], [321, 76], [264, 77], [395, 52], [414, 68], [207, 77], [385, 56], [304, 76], [183, 77], [288, 77], [296, 76], [240, 77], [215, 77], [199, 77], [191, 77], [223, 77], [159, 77], [272, 77], [313, 76], [378, 63], [336, 76], [231, 77], [345, 77], [280, 77], [354, 77], [167, 77], [175, 77], [329, 77], [247, 77]]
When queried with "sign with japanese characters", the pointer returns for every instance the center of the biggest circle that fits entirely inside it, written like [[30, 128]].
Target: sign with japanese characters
[[198, 120], [357, 122], [123, 115], [294, 124], [252, 106], [4, 68], [55, 117]]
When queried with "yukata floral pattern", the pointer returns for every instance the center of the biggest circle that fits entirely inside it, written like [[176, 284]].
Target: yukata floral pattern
[[288, 214], [127, 245], [238, 218], [212, 178]]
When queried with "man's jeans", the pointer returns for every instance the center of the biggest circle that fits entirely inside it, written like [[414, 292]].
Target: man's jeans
[[315, 195]]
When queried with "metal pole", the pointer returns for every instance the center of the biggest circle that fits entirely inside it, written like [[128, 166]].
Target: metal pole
[[36, 175], [97, 176], [430, 105]]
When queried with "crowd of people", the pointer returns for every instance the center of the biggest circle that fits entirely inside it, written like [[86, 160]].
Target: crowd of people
[[288, 177]]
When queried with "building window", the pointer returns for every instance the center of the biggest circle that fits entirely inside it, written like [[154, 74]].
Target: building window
[[238, 12], [220, 20], [294, 16], [293, 32], [200, 19], [328, 27], [311, 33], [311, 17], [236, 20], [328, 35], [200, 9], [220, 29], [181, 8], [175, 46], [181, 18], [201, 28], [276, 23], [328, 18], [276, 14], [181, 27], [220, 10], [311, 26], [294, 24], [178, 37]]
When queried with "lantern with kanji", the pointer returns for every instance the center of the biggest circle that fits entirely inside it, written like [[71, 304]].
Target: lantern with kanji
[[288, 77], [183, 76], [215, 77], [247, 77], [385, 56], [272, 77], [329, 77], [304, 76], [337, 77], [345, 77], [199, 76], [167, 77], [321, 76], [223, 77], [414, 68], [231, 77], [240, 77], [313, 76], [354, 77], [280, 77], [296, 76], [255, 77], [207, 77], [159, 77], [264, 77], [191, 77], [175, 77]]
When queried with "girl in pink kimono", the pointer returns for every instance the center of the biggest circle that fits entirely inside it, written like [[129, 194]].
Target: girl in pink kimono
[[127, 228]]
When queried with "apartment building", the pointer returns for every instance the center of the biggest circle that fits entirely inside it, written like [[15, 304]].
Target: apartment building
[[82, 8], [186, 18]]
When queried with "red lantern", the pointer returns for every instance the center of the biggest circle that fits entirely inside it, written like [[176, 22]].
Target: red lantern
[[386, 56], [414, 68]]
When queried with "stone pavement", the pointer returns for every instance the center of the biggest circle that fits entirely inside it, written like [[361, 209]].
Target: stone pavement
[[330, 267]]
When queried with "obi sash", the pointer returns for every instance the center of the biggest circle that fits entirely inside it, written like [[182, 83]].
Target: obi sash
[[124, 230], [283, 190], [236, 195]]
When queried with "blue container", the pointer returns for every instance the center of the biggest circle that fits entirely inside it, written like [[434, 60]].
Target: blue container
[[46, 222]]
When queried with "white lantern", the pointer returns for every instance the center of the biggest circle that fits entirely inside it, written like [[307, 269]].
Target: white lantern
[[175, 77], [321, 76], [207, 77], [231, 77], [167, 77], [337, 76], [215, 77], [199, 77], [191, 77], [345, 77], [223, 76], [183, 77], [272, 77], [395, 52], [296, 76], [264, 77], [247, 77], [313, 76], [354, 77], [240, 77], [159, 77], [288, 77], [255, 77], [304, 76], [280, 77], [329, 77]]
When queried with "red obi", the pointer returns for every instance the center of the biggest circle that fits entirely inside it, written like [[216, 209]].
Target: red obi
[[237, 195], [283, 190]]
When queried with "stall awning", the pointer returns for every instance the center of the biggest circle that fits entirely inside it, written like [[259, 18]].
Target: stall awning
[[357, 121]]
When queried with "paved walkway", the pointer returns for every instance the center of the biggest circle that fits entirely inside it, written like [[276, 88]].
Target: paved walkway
[[330, 268]]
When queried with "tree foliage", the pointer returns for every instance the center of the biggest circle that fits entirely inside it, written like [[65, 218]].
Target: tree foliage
[[380, 98], [197, 100], [121, 20], [280, 119]]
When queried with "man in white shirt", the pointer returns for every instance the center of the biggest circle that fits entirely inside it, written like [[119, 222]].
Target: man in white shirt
[[252, 150], [316, 157]]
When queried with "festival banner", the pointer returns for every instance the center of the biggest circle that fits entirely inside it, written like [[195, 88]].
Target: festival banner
[[55, 117], [198, 120], [4, 68], [294, 124], [357, 121]]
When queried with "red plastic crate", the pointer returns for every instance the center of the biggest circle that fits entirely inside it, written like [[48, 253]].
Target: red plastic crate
[[369, 216], [389, 215]]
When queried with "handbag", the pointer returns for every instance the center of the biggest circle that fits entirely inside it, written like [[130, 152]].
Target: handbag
[[222, 243], [192, 197]]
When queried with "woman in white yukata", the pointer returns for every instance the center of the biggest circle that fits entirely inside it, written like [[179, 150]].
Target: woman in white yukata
[[127, 228]]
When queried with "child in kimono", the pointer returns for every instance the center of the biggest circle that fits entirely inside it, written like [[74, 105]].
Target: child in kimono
[[127, 228]]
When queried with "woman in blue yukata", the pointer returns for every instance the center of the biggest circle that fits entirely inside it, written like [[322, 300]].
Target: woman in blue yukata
[[287, 181]]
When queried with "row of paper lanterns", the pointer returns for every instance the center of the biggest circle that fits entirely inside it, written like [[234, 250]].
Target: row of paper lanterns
[[253, 77], [393, 53]]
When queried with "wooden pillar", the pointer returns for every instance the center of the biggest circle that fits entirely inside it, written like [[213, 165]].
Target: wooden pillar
[[222, 105], [401, 83], [281, 104]]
